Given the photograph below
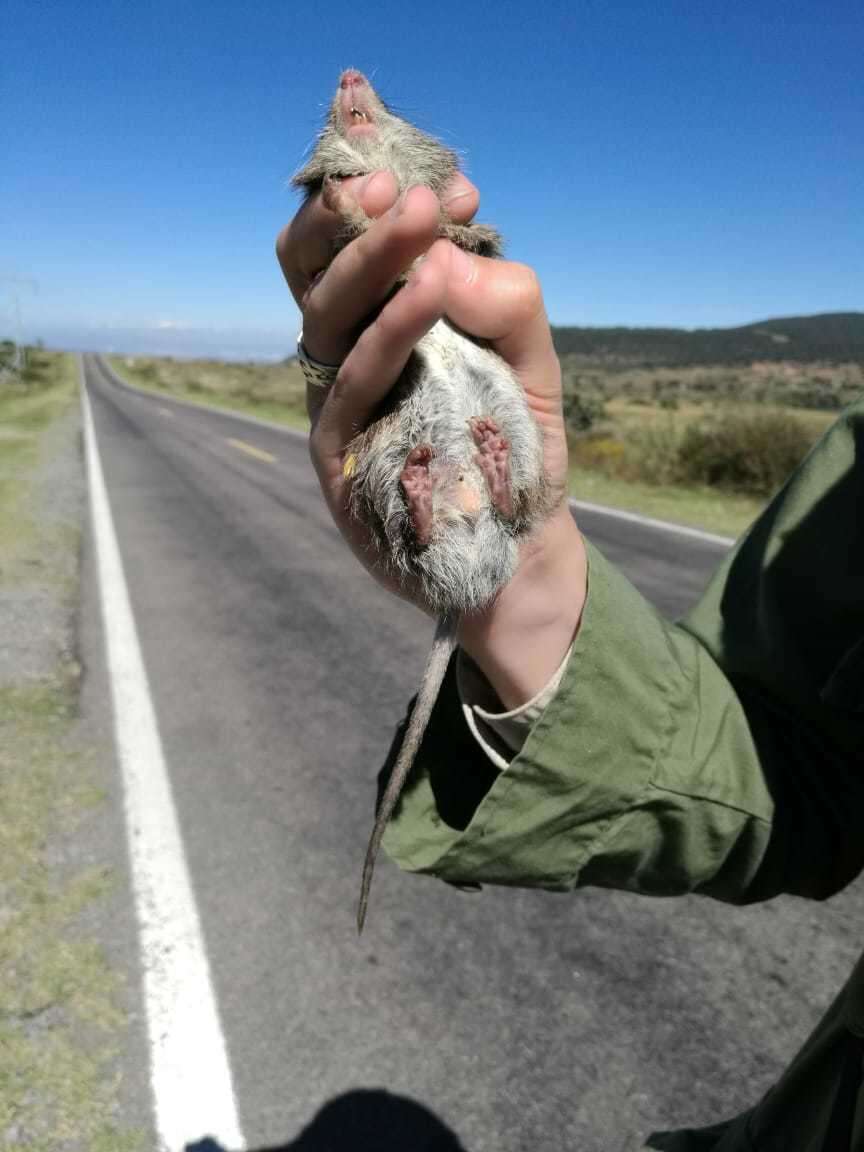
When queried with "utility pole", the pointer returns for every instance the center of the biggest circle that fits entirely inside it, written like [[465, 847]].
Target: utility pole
[[13, 291]]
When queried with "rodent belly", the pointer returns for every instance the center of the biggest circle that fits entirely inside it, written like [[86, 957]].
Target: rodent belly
[[470, 549]]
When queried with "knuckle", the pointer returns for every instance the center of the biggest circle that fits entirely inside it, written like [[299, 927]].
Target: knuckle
[[387, 338], [348, 264], [383, 330], [283, 246], [314, 312], [346, 380], [528, 287]]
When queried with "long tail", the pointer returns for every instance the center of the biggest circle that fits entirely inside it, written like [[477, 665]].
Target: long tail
[[433, 676]]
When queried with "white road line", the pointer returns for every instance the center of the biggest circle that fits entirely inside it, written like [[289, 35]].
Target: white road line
[[650, 522], [193, 1094]]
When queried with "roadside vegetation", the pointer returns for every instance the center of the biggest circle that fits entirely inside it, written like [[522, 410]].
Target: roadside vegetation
[[703, 426], [702, 444], [32, 400], [60, 1017], [269, 391], [706, 445]]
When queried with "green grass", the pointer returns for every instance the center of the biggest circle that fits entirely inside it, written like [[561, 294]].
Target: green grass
[[703, 508], [60, 1021]]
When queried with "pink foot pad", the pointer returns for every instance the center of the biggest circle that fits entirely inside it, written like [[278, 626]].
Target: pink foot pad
[[493, 458], [416, 480]]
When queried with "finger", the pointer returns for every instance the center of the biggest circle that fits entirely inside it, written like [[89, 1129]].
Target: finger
[[378, 357], [374, 193], [461, 199], [502, 302], [364, 272], [304, 247]]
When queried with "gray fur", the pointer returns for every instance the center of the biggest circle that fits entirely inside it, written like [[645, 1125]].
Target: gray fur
[[448, 380], [469, 559], [411, 155]]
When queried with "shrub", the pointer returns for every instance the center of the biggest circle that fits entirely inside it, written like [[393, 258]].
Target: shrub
[[753, 453], [8, 353], [651, 453], [648, 454], [600, 453], [582, 410], [815, 395]]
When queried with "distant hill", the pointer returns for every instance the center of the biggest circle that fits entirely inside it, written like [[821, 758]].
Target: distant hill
[[836, 337]]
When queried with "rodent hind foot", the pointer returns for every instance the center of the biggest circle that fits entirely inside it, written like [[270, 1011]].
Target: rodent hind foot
[[416, 481], [493, 460]]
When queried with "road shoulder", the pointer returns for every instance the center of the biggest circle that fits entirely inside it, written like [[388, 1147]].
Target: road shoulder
[[69, 1054]]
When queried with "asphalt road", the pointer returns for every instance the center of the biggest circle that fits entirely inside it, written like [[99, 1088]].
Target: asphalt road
[[493, 1022]]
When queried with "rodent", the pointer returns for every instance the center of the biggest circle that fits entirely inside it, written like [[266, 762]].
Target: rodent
[[449, 476]]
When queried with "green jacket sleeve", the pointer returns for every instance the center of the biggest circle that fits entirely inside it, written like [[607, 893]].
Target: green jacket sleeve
[[723, 754]]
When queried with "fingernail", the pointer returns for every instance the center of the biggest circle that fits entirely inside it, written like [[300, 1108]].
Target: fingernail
[[462, 265]]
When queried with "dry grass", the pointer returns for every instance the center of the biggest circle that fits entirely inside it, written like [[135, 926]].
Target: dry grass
[[658, 434], [60, 1020], [269, 391], [625, 414], [28, 406], [817, 387], [60, 1023], [628, 460]]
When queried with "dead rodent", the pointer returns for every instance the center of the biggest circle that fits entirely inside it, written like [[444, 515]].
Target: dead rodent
[[449, 476]]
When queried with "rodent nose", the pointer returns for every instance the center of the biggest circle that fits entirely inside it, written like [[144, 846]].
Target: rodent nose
[[351, 76]]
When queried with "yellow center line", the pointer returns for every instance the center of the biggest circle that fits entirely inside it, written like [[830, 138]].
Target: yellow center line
[[251, 450]]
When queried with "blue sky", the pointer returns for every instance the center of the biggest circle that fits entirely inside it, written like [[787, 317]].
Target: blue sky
[[684, 163]]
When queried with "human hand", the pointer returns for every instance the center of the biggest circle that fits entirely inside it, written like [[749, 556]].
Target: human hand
[[495, 300]]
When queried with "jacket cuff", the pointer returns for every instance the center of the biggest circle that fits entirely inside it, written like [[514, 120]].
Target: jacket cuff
[[500, 733], [539, 819]]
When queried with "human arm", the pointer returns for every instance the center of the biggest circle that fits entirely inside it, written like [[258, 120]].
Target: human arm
[[723, 755], [715, 756]]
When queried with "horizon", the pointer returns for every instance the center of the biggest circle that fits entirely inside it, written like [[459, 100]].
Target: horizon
[[679, 169], [123, 342]]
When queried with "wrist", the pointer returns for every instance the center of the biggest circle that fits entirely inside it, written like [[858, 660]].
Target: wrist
[[520, 640]]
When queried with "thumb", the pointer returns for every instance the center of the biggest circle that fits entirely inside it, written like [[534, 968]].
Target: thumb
[[502, 302]]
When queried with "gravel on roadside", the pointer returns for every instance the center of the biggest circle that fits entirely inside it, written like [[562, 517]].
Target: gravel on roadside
[[65, 1002], [37, 609]]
